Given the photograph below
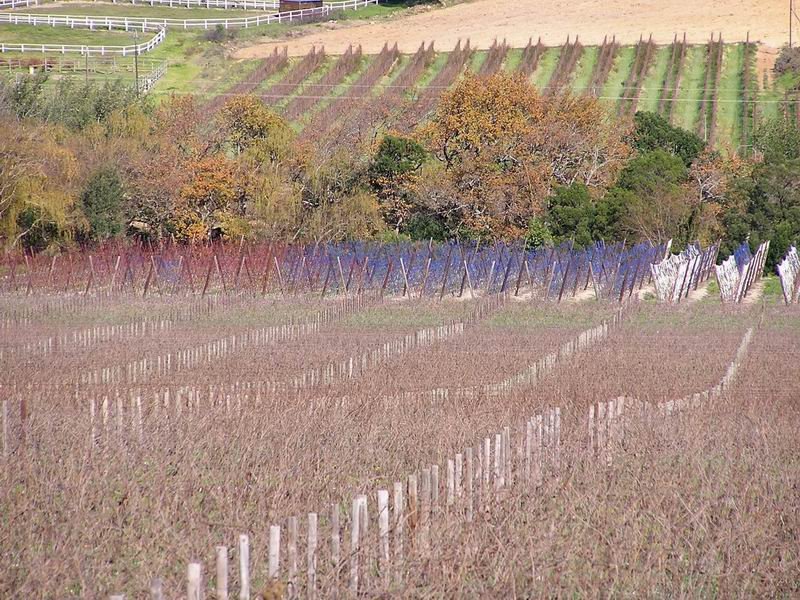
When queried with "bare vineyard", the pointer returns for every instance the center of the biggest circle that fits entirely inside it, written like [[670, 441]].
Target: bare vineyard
[[393, 440], [393, 93]]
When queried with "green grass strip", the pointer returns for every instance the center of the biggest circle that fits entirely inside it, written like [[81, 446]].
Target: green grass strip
[[339, 90], [651, 90], [305, 86], [139, 10], [476, 61], [729, 107], [547, 65], [582, 75], [623, 63], [512, 60], [432, 71], [687, 107], [35, 34]]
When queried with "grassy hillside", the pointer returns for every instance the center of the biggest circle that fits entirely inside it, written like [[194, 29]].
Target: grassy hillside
[[199, 62]]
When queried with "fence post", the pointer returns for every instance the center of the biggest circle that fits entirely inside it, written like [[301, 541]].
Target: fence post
[[383, 531], [5, 428], [222, 573], [312, 555], [335, 541], [398, 522], [274, 551], [156, 592], [470, 478], [355, 522], [194, 581], [291, 552], [244, 567]]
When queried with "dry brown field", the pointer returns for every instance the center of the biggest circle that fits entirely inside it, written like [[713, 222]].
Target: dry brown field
[[516, 21], [109, 486]]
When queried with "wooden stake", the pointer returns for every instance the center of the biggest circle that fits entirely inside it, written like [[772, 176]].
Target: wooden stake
[[156, 592], [470, 478], [383, 531], [244, 567], [274, 551], [5, 427], [222, 573], [398, 522], [312, 556], [355, 530], [194, 581], [451, 483], [292, 555], [413, 505], [336, 552]]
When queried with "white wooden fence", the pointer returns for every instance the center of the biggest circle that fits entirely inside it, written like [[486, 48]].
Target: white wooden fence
[[221, 4], [735, 281], [675, 276], [789, 274], [131, 50], [144, 24]]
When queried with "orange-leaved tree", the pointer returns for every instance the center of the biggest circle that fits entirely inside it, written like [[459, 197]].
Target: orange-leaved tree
[[501, 148]]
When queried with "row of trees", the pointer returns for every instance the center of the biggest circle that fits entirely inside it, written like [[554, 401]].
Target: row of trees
[[496, 160]]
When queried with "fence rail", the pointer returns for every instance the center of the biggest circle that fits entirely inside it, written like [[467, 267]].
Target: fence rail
[[147, 24], [221, 4], [131, 50]]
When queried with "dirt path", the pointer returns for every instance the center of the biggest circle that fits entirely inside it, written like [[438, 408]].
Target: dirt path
[[700, 293], [754, 293], [765, 62], [481, 21], [582, 296]]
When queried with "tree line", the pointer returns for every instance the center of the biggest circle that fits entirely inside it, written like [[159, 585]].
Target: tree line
[[83, 163]]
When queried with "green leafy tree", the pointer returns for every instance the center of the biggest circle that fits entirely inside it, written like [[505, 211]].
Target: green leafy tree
[[102, 202], [778, 139], [396, 156], [538, 233], [571, 214], [652, 199], [654, 132], [644, 174], [392, 173], [771, 212]]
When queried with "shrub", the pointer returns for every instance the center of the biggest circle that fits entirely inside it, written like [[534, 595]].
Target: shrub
[[219, 35], [788, 61], [102, 200], [654, 132]]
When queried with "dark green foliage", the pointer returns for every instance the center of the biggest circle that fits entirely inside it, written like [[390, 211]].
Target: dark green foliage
[[609, 214], [102, 201], [396, 156], [770, 211], [646, 174], [538, 234], [37, 230], [654, 132], [423, 226], [778, 139], [571, 215]]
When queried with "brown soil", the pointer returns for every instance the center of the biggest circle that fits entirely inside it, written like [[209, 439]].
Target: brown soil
[[765, 63], [483, 21]]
